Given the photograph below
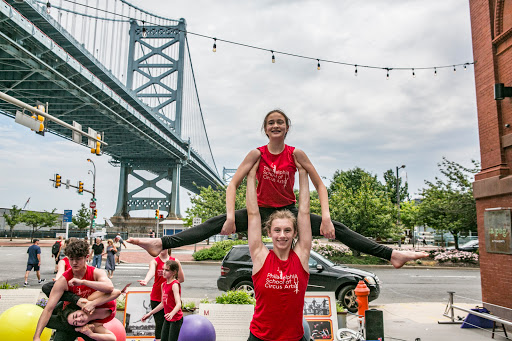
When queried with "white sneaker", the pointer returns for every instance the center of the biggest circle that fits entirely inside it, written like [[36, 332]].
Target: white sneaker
[[25, 284], [41, 280]]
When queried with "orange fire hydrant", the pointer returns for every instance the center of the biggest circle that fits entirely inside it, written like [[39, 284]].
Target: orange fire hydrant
[[362, 293]]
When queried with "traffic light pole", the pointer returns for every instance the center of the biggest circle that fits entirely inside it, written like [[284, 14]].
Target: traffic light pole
[[93, 198]]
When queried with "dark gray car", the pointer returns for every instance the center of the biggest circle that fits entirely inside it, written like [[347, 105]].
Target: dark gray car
[[324, 275]]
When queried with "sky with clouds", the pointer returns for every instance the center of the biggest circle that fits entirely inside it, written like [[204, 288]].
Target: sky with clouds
[[341, 121]]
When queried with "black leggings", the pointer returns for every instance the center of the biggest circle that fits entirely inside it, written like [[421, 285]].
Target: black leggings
[[214, 225], [159, 319], [171, 330]]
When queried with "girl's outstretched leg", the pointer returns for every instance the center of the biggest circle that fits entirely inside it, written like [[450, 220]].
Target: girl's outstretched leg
[[152, 245]]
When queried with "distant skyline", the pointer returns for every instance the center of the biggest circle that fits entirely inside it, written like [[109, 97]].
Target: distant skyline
[[341, 121]]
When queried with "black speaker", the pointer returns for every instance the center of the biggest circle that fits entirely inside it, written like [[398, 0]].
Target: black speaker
[[374, 325]]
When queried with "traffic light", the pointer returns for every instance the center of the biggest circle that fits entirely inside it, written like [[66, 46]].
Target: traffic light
[[95, 213], [40, 118], [97, 150], [57, 180], [80, 187], [157, 213]]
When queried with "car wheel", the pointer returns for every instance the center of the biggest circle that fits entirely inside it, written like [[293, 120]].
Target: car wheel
[[347, 297], [245, 285]]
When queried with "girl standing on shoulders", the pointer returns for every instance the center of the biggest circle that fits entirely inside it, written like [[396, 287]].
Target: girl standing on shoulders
[[170, 302], [280, 275], [276, 177], [156, 269]]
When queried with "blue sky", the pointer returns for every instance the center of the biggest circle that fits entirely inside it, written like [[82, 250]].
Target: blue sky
[[339, 120]]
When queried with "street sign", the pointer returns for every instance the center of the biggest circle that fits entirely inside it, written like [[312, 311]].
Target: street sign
[[92, 204], [67, 218]]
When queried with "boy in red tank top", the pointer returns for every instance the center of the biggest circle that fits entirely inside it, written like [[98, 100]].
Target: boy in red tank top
[[280, 275], [82, 280]]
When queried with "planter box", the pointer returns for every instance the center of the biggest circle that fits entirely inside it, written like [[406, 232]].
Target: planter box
[[231, 321]]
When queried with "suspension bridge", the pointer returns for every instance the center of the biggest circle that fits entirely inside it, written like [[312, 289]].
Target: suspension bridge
[[119, 70]]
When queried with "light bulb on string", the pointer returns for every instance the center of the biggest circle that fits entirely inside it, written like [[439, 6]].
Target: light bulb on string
[[48, 7], [435, 72], [318, 65], [387, 74], [214, 45], [413, 74], [273, 57], [355, 71], [454, 69], [144, 31], [464, 67]]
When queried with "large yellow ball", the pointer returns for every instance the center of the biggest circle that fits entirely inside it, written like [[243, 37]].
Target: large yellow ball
[[19, 323]]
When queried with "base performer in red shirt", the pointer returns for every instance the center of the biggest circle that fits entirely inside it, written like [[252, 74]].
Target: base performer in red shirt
[[280, 275]]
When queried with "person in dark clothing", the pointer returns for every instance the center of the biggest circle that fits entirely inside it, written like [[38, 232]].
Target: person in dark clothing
[[97, 253], [34, 262]]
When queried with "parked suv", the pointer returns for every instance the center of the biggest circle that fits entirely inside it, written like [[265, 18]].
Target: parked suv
[[324, 275]]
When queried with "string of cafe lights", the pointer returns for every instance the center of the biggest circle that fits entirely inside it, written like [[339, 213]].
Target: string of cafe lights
[[273, 53]]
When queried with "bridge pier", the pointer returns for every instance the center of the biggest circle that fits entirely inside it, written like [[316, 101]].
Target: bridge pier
[[128, 201]]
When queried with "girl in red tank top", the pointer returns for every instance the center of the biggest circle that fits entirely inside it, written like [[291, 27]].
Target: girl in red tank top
[[275, 192], [170, 302], [156, 269], [280, 275]]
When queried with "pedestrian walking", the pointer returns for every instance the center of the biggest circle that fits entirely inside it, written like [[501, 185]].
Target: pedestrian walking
[[110, 265], [118, 241], [97, 251], [34, 261], [56, 252]]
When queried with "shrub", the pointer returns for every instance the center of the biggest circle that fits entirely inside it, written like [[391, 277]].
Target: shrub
[[6, 285], [331, 250], [218, 250], [235, 297], [42, 302], [190, 306], [455, 256], [121, 302]]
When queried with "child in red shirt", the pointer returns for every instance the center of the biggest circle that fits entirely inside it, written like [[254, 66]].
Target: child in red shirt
[[171, 303]]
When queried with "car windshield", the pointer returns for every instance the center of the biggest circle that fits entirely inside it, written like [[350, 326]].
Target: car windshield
[[322, 258]]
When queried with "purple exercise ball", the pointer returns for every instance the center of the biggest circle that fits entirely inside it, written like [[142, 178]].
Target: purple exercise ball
[[196, 328]]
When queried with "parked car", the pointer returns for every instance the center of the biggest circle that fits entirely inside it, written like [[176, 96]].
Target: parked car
[[324, 275], [472, 246]]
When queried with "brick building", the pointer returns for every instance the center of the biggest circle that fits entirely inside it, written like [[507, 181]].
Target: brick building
[[491, 26]]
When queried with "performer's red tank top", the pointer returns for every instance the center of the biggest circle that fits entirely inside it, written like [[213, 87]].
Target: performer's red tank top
[[276, 176], [169, 302], [85, 291], [66, 264], [156, 292], [279, 289]]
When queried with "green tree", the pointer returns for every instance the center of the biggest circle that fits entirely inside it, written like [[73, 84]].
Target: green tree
[[409, 214], [448, 204], [211, 202], [49, 219], [83, 217], [390, 186], [13, 218], [364, 208], [38, 220]]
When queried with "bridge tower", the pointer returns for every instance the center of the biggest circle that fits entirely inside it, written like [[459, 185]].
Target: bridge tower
[[156, 61]]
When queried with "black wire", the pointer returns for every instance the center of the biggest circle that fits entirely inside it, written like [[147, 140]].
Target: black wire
[[280, 52]]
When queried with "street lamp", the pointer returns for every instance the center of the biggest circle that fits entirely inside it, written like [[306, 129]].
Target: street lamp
[[398, 201], [93, 196]]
